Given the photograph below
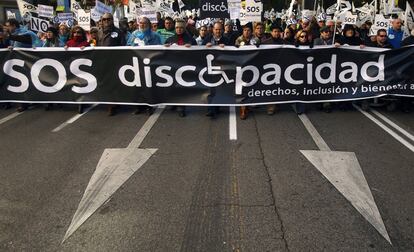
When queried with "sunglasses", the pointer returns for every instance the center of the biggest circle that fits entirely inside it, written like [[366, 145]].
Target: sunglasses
[[302, 36]]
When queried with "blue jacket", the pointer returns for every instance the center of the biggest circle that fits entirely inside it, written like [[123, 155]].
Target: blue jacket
[[140, 38], [36, 42], [395, 37]]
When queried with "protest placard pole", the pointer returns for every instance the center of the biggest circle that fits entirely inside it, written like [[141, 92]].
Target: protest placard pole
[[290, 9], [338, 9]]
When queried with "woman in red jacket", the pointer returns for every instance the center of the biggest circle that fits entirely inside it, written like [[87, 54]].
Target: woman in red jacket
[[77, 39]]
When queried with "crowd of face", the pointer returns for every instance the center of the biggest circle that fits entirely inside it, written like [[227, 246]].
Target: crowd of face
[[305, 32]]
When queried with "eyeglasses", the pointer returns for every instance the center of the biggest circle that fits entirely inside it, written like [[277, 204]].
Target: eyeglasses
[[106, 19]]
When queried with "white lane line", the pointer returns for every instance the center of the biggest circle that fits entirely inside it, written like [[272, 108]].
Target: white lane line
[[232, 124], [322, 145], [394, 125], [143, 132], [388, 130], [10, 117], [73, 119]]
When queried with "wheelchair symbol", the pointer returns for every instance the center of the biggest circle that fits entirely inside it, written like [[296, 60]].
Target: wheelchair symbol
[[213, 70]]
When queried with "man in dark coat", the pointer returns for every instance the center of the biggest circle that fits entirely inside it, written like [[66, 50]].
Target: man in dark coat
[[109, 35], [181, 38], [216, 38]]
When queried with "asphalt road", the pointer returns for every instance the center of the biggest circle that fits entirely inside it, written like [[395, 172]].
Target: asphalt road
[[202, 191]]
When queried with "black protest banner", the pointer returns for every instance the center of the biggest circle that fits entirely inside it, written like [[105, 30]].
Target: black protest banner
[[214, 9], [201, 76]]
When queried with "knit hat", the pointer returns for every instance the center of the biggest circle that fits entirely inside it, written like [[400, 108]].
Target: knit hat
[[53, 30]]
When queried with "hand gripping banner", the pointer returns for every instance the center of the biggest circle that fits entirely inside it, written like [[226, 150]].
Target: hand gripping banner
[[200, 76]]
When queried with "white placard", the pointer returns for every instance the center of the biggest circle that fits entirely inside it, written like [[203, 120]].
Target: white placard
[[25, 7], [242, 17], [380, 22], [64, 17], [253, 11], [102, 8], [409, 17], [95, 16], [84, 19], [39, 25], [204, 22], [234, 7], [148, 12], [45, 11], [350, 18], [74, 6], [181, 4]]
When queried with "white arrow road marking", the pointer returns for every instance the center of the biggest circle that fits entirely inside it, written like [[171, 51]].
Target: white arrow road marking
[[342, 169], [74, 119], [232, 124], [322, 145], [387, 129], [114, 168]]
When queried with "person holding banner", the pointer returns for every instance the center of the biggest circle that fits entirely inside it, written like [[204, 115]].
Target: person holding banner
[[349, 37], [215, 39], [168, 30], [202, 33], [276, 36], [52, 39], [246, 39], [144, 35], [325, 37], [181, 38], [288, 36], [78, 39], [109, 35], [229, 33], [275, 39], [395, 34], [259, 32], [381, 40], [302, 38], [17, 36], [64, 33]]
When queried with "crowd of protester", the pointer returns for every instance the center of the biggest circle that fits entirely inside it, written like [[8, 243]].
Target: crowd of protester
[[305, 32]]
